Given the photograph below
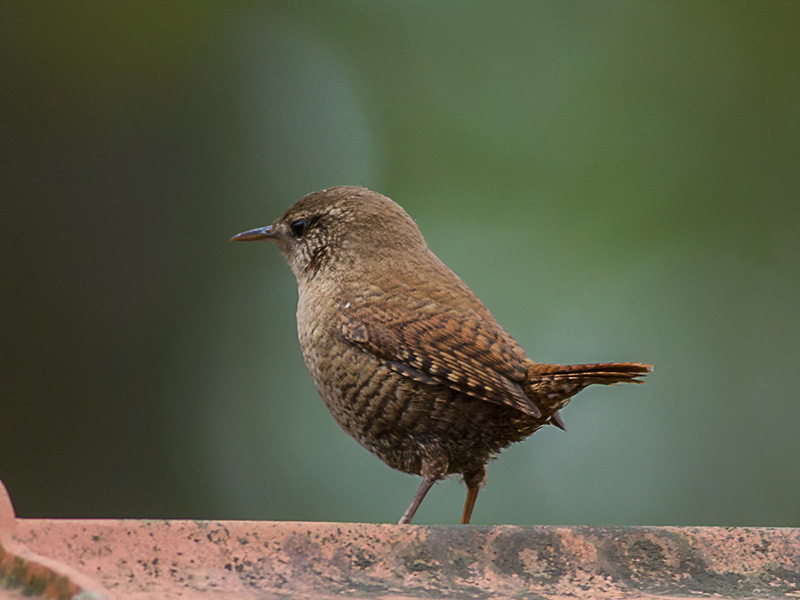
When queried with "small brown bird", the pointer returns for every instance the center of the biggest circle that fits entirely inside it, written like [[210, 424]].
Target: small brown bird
[[407, 359]]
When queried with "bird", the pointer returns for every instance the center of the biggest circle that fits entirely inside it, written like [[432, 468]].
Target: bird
[[408, 360]]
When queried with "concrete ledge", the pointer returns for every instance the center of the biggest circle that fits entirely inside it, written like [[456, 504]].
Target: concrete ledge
[[247, 559]]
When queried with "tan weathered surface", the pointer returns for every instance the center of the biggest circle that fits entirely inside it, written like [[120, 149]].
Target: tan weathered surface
[[24, 573], [129, 559], [165, 559]]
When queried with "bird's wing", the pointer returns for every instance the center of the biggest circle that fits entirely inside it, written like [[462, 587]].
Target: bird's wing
[[436, 345]]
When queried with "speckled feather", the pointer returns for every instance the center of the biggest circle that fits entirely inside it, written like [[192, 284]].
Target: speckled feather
[[421, 339]]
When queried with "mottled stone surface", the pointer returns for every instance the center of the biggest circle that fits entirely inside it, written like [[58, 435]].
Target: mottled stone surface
[[138, 560], [170, 559], [24, 573]]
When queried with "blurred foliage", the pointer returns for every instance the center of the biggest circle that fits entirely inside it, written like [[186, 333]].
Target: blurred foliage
[[616, 180]]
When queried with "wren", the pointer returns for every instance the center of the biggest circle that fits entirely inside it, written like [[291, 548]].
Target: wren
[[407, 359]]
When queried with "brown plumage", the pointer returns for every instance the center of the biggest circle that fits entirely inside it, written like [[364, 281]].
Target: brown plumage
[[408, 360]]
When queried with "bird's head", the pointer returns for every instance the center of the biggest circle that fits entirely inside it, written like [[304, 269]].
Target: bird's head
[[342, 228]]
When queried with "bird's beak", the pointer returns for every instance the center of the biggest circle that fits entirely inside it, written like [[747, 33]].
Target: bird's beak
[[253, 235]]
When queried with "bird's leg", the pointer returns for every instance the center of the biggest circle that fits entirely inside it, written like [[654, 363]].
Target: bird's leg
[[474, 480], [434, 467], [424, 487]]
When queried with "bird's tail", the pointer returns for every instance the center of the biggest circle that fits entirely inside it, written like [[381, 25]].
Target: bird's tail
[[603, 373], [551, 386]]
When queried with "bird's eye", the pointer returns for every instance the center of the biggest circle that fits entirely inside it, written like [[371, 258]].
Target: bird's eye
[[299, 227]]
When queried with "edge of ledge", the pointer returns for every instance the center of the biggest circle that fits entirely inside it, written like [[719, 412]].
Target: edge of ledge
[[170, 559]]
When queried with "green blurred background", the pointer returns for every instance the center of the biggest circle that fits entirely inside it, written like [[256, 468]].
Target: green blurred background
[[616, 180]]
